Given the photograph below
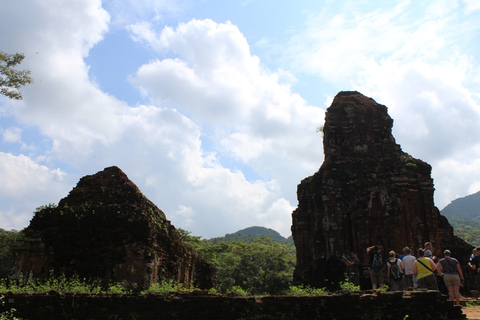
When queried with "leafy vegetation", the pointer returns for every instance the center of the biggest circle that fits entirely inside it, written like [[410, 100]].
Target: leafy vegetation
[[253, 265], [249, 265], [349, 286], [305, 291], [12, 80], [60, 284], [74, 284], [465, 228], [9, 314], [166, 287], [250, 233], [6, 256], [259, 266]]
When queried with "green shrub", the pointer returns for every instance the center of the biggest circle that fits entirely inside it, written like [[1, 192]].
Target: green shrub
[[349, 286], [60, 284], [238, 291], [302, 290], [166, 287]]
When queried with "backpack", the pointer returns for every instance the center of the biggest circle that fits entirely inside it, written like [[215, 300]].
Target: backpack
[[395, 270], [377, 262]]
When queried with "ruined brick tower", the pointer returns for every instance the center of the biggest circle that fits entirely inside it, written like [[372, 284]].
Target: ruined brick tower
[[367, 192], [107, 229]]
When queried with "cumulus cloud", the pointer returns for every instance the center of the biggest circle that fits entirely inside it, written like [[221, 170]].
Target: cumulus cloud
[[416, 62], [219, 141], [227, 87], [206, 91], [248, 113], [25, 186]]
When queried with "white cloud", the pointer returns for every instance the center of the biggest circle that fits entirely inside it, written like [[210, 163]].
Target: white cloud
[[214, 88], [27, 185], [471, 6], [244, 110], [436, 119], [12, 135], [223, 141], [416, 60], [185, 214], [279, 217], [227, 88]]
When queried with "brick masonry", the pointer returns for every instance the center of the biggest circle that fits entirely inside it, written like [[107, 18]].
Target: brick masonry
[[199, 305]]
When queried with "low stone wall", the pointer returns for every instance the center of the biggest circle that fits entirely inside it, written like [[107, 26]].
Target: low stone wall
[[198, 305]]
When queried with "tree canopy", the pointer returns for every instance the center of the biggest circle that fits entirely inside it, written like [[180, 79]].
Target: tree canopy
[[6, 256], [12, 80], [256, 265]]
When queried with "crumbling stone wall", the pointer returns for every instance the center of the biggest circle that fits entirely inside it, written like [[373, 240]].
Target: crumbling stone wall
[[418, 305], [367, 192], [107, 229]]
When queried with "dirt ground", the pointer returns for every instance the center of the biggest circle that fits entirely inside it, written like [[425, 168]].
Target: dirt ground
[[473, 313]]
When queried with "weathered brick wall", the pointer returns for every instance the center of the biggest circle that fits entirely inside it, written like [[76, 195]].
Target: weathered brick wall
[[417, 305]]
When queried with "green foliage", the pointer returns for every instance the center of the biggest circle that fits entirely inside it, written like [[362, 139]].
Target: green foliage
[[349, 286], [116, 288], [250, 233], [466, 228], [302, 290], [193, 242], [166, 287], [60, 284], [469, 234], [411, 165], [259, 266], [50, 205], [212, 291], [384, 289], [6, 256], [9, 315], [10, 79], [237, 291]]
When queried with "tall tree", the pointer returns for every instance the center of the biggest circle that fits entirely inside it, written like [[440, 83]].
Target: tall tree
[[10, 79], [259, 266], [6, 256]]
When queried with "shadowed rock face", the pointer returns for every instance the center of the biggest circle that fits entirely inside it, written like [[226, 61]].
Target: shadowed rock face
[[367, 192], [107, 229]]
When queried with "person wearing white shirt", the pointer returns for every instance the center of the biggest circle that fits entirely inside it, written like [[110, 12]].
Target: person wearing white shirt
[[409, 261]]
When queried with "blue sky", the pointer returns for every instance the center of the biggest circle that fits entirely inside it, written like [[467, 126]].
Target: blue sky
[[211, 107]]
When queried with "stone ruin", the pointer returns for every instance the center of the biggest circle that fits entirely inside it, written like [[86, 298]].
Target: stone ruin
[[107, 229], [367, 192]]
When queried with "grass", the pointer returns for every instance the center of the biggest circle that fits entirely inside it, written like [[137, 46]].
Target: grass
[[62, 284]]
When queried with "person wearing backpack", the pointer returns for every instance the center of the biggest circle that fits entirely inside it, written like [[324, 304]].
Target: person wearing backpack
[[376, 266], [395, 272]]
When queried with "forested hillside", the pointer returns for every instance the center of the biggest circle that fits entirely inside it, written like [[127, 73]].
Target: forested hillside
[[251, 233], [464, 216], [466, 207]]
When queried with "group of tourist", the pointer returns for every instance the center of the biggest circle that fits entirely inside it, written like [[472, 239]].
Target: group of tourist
[[407, 271]]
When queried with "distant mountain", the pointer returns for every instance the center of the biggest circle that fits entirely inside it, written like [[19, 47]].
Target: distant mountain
[[253, 232], [466, 207]]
